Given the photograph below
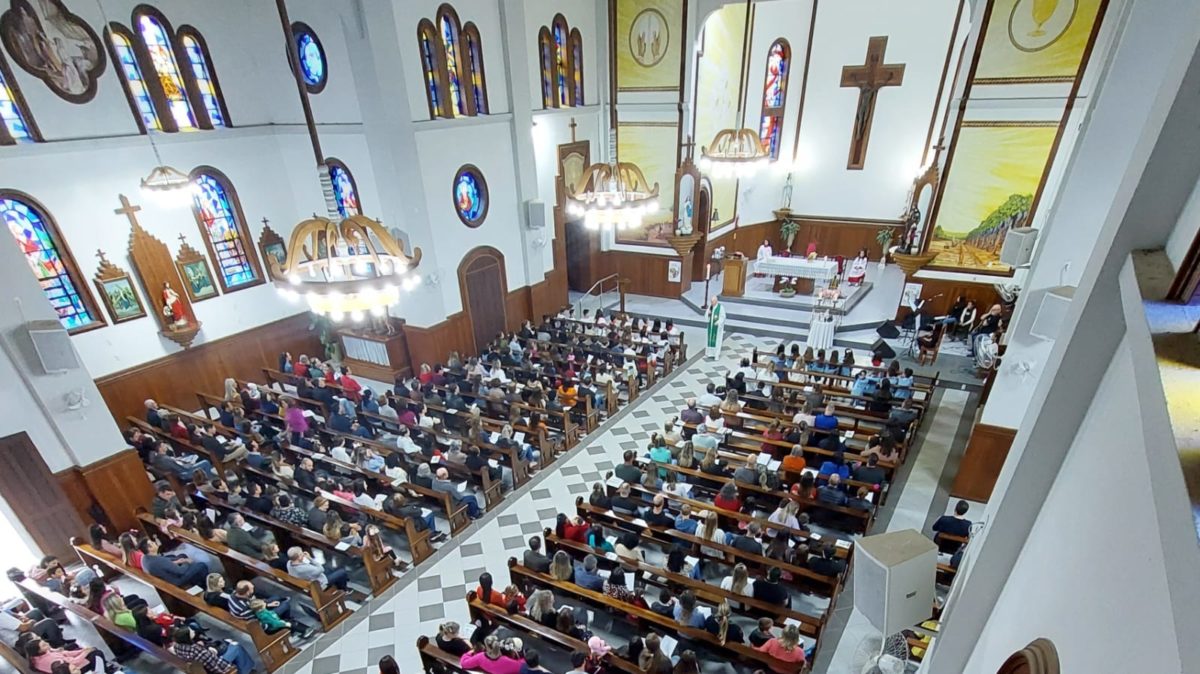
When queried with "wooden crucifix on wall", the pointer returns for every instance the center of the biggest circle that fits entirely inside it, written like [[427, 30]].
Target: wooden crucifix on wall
[[869, 78]]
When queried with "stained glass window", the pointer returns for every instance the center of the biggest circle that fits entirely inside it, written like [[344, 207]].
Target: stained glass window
[[475, 61], [311, 57], [12, 113], [202, 71], [546, 56], [774, 96], [123, 49], [344, 191], [426, 33], [450, 44], [163, 57], [560, 60], [576, 44], [219, 223], [30, 230], [470, 196]]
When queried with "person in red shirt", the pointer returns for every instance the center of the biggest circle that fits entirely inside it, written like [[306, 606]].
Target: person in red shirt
[[572, 528], [775, 433], [727, 498], [426, 375], [301, 369], [329, 374], [350, 386]]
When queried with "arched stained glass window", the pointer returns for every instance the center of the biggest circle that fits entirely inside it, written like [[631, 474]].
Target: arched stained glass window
[[135, 85], [448, 27], [345, 190], [779, 60], [223, 230], [17, 122], [470, 196], [431, 64], [475, 62], [310, 55], [50, 261], [575, 42], [546, 60], [562, 70], [206, 79], [162, 56]]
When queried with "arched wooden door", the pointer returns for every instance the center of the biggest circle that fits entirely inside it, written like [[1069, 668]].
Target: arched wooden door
[[703, 224], [484, 288], [1039, 657]]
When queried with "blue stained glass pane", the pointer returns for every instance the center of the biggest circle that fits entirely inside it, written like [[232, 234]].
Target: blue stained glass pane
[[450, 41], [777, 65], [11, 115], [312, 60], [137, 86], [469, 198], [577, 51], [28, 229], [431, 81], [204, 80], [217, 215], [343, 191], [560, 56], [169, 78]]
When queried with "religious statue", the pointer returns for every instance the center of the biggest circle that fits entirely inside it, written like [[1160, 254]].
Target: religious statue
[[787, 194], [172, 307], [716, 328]]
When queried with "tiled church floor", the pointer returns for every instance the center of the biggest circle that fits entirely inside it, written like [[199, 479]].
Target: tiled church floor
[[436, 591]]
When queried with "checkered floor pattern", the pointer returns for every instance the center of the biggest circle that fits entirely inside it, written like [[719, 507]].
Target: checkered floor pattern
[[416, 608]]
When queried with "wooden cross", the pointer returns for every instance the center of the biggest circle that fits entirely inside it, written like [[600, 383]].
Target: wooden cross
[[182, 240], [266, 223], [869, 78], [573, 125], [128, 209]]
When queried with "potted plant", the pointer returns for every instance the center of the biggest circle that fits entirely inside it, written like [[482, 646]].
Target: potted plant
[[884, 238], [327, 333], [788, 229]]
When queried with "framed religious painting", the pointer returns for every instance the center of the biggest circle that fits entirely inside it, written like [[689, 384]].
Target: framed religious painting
[[54, 45], [274, 251], [117, 292], [193, 269]]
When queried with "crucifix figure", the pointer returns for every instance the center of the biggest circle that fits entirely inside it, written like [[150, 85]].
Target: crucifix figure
[[869, 78]]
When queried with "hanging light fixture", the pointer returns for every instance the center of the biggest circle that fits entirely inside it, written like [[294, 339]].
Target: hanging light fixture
[[346, 269], [735, 152], [615, 195], [342, 267]]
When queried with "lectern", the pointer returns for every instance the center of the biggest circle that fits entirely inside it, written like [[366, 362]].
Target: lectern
[[735, 276]]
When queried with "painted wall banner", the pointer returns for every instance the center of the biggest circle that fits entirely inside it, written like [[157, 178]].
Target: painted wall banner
[[653, 147], [649, 37], [991, 184], [1036, 40], [717, 77]]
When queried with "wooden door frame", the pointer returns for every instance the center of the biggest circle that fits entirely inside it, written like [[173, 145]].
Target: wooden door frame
[[1188, 277], [472, 255]]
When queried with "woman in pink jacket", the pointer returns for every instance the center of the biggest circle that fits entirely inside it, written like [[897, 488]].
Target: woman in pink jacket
[[43, 658], [497, 657]]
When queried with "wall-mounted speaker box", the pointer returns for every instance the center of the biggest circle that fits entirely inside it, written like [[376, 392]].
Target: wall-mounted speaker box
[[894, 577], [1017, 250], [52, 345], [535, 212], [1052, 312]]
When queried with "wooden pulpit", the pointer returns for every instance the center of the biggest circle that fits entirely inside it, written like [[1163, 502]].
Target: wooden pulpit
[[379, 352], [735, 276]]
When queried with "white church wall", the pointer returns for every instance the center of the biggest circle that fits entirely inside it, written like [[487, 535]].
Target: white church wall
[[553, 128], [486, 16], [1185, 231], [443, 152], [332, 22], [824, 186]]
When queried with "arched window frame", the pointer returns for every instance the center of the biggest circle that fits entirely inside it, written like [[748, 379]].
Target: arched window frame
[[142, 105], [19, 107], [548, 64], [166, 116], [478, 78], [433, 65], [564, 89], [333, 163], [773, 114], [71, 269], [300, 28], [575, 47], [247, 243], [217, 102], [454, 61]]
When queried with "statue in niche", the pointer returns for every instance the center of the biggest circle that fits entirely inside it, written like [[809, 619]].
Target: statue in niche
[[172, 307]]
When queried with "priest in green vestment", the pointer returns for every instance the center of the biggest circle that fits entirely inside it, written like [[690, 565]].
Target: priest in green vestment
[[716, 328]]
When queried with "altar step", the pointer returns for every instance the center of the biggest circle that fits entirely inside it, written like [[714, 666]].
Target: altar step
[[783, 313], [770, 329]]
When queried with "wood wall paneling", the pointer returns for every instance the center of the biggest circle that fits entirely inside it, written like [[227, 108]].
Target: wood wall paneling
[[175, 379], [119, 484], [37, 497], [982, 461], [834, 236]]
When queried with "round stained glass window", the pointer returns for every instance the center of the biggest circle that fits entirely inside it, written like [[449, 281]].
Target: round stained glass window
[[310, 56], [470, 196]]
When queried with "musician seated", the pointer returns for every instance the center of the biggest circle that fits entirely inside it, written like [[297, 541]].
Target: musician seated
[[929, 340]]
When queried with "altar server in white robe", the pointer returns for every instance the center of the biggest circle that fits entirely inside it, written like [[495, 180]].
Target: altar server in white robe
[[858, 268], [764, 254]]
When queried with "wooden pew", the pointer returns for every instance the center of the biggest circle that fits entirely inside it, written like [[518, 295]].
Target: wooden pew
[[274, 650], [21, 664], [329, 602], [378, 567], [434, 659], [528, 578], [118, 638]]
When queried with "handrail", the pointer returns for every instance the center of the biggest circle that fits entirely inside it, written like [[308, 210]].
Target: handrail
[[597, 290]]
